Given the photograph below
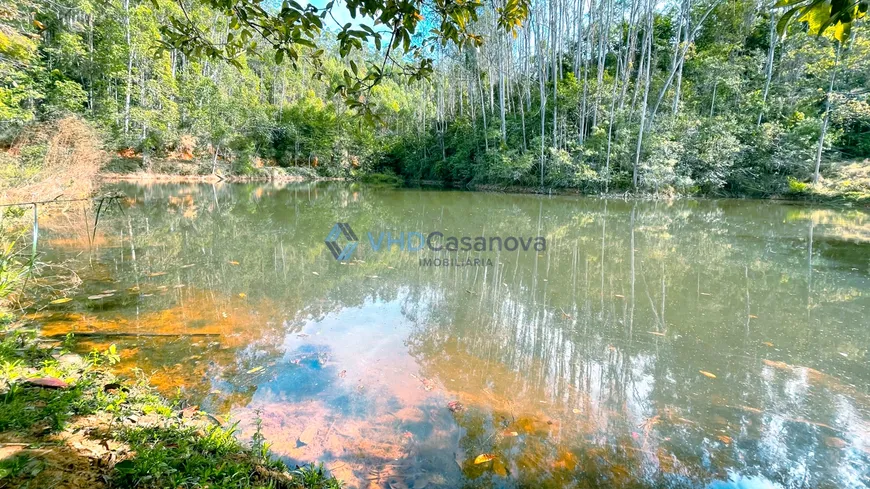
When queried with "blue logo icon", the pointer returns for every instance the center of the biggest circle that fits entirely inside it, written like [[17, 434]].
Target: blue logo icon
[[341, 228]]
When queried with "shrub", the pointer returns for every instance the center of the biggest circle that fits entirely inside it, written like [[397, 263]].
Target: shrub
[[797, 187]]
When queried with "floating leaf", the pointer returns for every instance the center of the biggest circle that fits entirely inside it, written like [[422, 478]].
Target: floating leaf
[[242, 295], [619, 296], [47, 382], [707, 374], [575, 411], [428, 385], [835, 442], [315, 273], [656, 333], [99, 296], [455, 406], [776, 364], [232, 262], [483, 458], [499, 468], [156, 274], [62, 300], [706, 294], [307, 435], [753, 316], [510, 434], [256, 369], [767, 343], [724, 439]]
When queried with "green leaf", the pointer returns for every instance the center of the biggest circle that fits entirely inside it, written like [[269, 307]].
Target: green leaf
[[816, 16], [842, 31], [787, 3], [783, 22]]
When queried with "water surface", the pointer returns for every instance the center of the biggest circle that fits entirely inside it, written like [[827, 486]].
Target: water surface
[[652, 344]]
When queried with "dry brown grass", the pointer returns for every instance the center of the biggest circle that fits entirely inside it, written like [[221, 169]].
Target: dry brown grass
[[52, 160]]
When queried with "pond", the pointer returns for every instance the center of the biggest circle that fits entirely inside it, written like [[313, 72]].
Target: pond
[[690, 343]]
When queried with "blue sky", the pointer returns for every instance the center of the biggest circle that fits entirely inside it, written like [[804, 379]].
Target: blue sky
[[341, 14]]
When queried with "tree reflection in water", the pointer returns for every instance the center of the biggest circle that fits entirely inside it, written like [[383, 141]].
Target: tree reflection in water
[[653, 344]]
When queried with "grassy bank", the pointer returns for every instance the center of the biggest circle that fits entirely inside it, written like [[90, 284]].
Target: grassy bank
[[65, 421]]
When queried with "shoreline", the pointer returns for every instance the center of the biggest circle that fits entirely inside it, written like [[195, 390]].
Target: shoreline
[[177, 178], [814, 199], [278, 176]]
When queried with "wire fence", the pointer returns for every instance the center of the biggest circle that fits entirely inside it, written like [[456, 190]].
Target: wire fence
[[100, 200]]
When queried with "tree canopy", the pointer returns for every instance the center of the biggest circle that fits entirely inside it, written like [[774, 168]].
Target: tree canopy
[[677, 96]]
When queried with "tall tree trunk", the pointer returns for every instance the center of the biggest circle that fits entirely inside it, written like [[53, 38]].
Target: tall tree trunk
[[471, 110], [713, 100], [91, 63], [583, 110], [555, 61], [214, 159], [602, 51], [523, 122], [689, 39], [501, 89], [441, 120], [610, 126], [579, 33], [769, 68], [628, 63], [129, 66], [648, 40], [482, 107], [685, 11], [543, 105], [827, 117]]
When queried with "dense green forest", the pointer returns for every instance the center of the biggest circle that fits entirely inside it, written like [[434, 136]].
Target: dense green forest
[[706, 96]]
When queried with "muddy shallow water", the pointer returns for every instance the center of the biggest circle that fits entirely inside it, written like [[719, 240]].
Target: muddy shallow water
[[651, 344]]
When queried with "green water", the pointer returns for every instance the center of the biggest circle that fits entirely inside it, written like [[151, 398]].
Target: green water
[[651, 344]]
